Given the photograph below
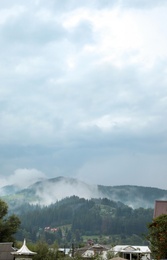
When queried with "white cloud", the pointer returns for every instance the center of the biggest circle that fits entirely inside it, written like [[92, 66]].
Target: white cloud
[[22, 178], [107, 122], [50, 193], [11, 13]]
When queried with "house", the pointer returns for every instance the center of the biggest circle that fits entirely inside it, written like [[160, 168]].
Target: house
[[132, 252], [5, 251], [93, 251], [160, 208]]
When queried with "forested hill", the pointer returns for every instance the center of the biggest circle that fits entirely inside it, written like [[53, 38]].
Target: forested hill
[[49, 191], [134, 196], [73, 218]]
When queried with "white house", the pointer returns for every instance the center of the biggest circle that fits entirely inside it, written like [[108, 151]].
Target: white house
[[132, 252], [94, 251]]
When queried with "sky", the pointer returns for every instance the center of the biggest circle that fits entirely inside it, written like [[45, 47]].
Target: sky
[[83, 91]]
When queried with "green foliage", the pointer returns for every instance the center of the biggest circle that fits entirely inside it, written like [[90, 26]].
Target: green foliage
[[3, 209], [43, 252], [8, 225], [76, 217], [157, 236]]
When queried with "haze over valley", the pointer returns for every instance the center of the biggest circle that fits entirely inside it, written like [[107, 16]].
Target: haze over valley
[[49, 191]]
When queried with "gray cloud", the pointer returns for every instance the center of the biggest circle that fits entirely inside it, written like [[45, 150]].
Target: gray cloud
[[31, 30], [83, 90]]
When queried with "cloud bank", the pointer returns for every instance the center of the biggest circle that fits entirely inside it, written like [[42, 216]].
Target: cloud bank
[[83, 91]]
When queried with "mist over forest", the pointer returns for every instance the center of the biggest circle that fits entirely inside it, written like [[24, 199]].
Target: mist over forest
[[67, 209]]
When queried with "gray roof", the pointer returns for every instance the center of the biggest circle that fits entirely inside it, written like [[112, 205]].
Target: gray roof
[[5, 251]]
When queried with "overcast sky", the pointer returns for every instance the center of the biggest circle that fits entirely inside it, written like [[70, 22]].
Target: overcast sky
[[83, 91]]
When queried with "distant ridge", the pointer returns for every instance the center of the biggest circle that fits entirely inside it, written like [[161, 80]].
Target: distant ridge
[[48, 191], [8, 189]]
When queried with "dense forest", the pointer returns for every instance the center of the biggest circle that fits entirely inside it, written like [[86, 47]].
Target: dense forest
[[73, 219]]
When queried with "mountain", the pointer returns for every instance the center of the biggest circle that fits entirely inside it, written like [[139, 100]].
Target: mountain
[[8, 189], [49, 191]]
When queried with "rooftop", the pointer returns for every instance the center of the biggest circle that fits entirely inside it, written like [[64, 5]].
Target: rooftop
[[5, 251], [24, 250]]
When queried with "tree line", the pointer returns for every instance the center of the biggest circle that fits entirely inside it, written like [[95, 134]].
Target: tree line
[[76, 217]]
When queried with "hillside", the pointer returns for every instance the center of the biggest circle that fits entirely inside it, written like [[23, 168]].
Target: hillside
[[49, 191], [74, 218]]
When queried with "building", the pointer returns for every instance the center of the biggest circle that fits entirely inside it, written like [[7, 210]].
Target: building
[[5, 251], [132, 252], [160, 208], [92, 251], [23, 253]]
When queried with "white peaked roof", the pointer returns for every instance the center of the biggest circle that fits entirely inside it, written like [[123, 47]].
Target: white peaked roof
[[131, 249], [93, 250], [24, 250]]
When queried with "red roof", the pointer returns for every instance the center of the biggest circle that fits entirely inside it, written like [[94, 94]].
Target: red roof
[[160, 208]]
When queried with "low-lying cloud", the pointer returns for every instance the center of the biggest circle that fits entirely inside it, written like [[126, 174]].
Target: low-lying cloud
[[22, 178]]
